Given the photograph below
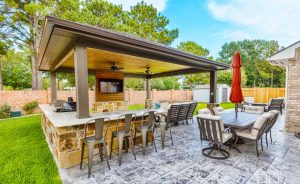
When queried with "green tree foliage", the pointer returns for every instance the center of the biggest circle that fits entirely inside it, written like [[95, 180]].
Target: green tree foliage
[[225, 77], [21, 23], [196, 49], [15, 71], [142, 20], [259, 72], [3, 51], [164, 83]]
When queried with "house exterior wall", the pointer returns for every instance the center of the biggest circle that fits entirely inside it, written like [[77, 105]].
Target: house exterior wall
[[293, 96]]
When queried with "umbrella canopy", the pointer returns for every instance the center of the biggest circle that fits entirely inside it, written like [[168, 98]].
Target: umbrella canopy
[[236, 95]]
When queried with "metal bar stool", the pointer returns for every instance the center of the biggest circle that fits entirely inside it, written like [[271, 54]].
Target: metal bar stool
[[146, 126], [91, 141], [124, 134]]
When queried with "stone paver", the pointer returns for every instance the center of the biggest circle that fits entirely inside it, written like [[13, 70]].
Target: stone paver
[[184, 163]]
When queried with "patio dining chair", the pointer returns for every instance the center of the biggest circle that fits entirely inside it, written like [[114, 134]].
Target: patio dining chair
[[212, 129], [271, 123], [98, 139], [204, 111], [144, 127], [256, 132], [170, 118], [254, 109], [217, 110], [124, 133], [183, 111], [275, 104], [190, 113]]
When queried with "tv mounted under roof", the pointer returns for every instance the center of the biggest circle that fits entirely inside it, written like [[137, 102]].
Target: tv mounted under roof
[[111, 85]]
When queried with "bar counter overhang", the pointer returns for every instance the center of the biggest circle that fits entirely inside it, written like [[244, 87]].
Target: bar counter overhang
[[81, 49]]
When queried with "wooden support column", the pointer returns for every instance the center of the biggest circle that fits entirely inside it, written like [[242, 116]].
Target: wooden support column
[[53, 86], [81, 80], [213, 87], [148, 87]]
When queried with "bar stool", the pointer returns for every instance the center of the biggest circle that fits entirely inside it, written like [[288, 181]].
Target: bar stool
[[91, 141], [121, 134], [146, 126]]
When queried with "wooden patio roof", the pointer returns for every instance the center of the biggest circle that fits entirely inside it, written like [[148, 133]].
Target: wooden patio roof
[[105, 46]]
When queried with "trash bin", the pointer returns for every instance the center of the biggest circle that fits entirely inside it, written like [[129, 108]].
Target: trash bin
[[15, 113]]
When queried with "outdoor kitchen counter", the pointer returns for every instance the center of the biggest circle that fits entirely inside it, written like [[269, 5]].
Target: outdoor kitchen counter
[[64, 132], [64, 119]]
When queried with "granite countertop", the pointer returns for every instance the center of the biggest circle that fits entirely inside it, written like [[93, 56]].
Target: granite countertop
[[65, 119]]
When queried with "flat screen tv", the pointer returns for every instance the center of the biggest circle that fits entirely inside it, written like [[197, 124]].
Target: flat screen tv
[[111, 85]]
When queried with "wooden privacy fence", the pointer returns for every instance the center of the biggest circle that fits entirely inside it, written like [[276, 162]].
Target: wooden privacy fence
[[263, 95]]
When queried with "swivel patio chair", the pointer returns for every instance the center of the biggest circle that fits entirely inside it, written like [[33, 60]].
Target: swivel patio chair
[[212, 129], [123, 133], [256, 132], [145, 127], [191, 111], [98, 139], [170, 118], [275, 104], [217, 110], [204, 111], [271, 123], [254, 109]]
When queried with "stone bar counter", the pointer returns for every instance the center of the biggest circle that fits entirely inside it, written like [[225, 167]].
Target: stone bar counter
[[64, 132]]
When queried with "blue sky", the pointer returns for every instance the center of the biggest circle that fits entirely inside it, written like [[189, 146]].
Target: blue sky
[[212, 23]]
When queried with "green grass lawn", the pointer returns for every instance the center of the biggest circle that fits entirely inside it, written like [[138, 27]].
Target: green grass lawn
[[24, 153]]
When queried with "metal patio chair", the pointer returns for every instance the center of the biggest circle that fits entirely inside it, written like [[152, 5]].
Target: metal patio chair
[[171, 117], [217, 110], [183, 111], [276, 104], [191, 111], [98, 139], [256, 132], [212, 129], [146, 126], [123, 133], [271, 124]]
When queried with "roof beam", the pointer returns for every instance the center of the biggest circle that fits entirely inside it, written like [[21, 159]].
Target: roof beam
[[179, 72]]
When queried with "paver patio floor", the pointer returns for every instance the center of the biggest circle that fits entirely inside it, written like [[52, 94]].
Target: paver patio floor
[[184, 163]]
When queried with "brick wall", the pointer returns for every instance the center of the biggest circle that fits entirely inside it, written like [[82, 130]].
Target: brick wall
[[293, 97], [18, 98]]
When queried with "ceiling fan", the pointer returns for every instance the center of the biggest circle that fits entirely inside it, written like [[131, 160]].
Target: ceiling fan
[[115, 68], [148, 71]]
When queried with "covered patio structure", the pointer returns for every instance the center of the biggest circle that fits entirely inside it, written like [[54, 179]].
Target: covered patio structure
[[72, 47]]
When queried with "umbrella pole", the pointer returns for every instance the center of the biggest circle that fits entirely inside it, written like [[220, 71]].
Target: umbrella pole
[[236, 110]]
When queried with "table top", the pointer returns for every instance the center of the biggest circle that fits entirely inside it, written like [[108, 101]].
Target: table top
[[65, 119], [242, 120]]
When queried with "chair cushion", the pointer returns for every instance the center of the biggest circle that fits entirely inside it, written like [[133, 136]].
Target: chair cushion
[[254, 109], [226, 136], [165, 106], [218, 110], [261, 120], [245, 133], [204, 111]]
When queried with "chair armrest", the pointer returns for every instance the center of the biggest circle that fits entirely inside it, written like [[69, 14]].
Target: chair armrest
[[227, 130]]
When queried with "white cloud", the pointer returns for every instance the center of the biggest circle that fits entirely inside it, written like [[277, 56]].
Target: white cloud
[[160, 5], [269, 19]]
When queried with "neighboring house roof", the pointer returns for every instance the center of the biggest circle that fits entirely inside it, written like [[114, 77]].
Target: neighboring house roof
[[285, 55]]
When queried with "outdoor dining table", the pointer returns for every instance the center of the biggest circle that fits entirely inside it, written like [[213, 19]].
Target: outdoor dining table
[[240, 121]]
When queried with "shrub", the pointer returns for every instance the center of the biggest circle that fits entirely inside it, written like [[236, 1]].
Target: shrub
[[5, 111], [30, 107]]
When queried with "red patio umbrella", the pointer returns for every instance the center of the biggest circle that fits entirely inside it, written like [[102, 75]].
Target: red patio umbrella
[[236, 95]]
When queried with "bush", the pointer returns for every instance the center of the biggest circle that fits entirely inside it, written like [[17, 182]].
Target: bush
[[5, 111], [30, 107]]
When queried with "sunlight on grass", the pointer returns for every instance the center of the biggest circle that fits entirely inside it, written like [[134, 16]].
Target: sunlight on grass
[[25, 156]]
